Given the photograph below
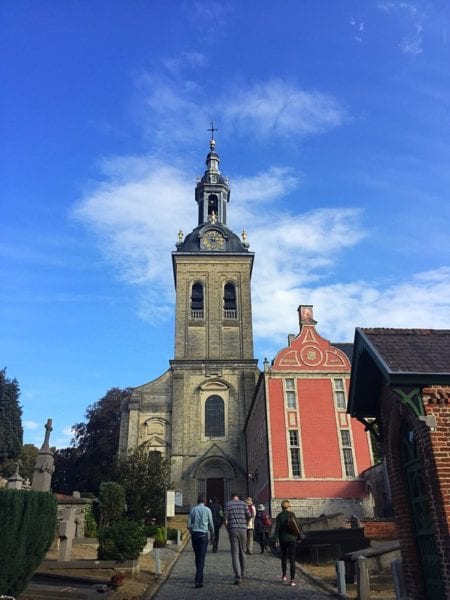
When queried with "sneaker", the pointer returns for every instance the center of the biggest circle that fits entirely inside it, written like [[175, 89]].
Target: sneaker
[[293, 583], [284, 578]]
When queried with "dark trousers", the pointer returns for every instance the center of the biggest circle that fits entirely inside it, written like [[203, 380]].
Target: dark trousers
[[216, 536], [288, 551], [200, 546]]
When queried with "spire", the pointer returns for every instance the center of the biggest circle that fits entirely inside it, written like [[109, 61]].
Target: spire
[[212, 192]]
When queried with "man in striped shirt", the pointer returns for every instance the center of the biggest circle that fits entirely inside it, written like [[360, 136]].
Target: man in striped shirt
[[236, 517]]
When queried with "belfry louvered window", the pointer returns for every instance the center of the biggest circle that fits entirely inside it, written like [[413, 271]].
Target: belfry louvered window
[[197, 302], [214, 417], [229, 301]]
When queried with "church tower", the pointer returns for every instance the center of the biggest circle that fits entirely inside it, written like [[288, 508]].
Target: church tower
[[195, 413]]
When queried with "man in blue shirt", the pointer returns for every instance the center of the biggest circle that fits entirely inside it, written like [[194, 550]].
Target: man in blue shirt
[[200, 522]]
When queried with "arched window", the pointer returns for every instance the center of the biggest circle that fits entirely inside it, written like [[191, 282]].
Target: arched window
[[229, 301], [213, 205], [197, 301], [214, 417]]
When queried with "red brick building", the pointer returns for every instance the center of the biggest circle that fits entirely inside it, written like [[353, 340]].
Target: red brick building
[[301, 443], [401, 382]]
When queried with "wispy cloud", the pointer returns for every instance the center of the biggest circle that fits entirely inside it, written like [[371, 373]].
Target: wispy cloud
[[358, 28], [279, 108], [412, 18], [31, 425], [173, 109]]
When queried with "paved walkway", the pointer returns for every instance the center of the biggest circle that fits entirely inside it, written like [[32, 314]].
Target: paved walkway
[[263, 578]]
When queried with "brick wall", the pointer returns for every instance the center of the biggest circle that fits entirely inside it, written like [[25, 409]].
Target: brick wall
[[433, 451]]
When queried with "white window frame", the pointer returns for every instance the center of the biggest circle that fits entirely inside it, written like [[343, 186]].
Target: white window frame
[[290, 393], [348, 466], [294, 450], [339, 393]]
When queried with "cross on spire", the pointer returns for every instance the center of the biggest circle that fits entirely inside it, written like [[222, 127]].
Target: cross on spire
[[212, 129]]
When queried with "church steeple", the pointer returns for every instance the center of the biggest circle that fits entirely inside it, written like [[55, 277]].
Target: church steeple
[[212, 192]]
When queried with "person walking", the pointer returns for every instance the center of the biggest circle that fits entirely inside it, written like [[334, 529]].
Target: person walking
[[287, 540], [236, 517], [217, 514], [250, 526], [263, 527], [200, 522]]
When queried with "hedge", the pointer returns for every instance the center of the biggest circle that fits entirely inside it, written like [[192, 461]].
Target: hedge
[[27, 530]]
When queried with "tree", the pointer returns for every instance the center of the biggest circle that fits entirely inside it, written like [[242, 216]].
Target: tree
[[27, 459], [93, 456], [28, 521], [111, 500], [145, 477], [11, 432]]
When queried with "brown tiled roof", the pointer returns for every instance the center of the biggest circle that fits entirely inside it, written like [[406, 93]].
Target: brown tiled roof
[[412, 350]]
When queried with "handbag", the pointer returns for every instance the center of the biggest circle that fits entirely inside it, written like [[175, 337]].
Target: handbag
[[292, 525]]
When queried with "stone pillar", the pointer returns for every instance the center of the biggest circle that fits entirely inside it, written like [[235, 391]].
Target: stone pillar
[[44, 466], [66, 534]]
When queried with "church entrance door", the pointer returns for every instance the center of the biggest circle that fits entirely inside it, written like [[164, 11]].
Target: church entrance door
[[215, 487]]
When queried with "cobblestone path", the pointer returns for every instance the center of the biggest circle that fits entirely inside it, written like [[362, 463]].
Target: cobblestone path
[[262, 580]]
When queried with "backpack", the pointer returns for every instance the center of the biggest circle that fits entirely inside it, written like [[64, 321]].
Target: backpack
[[292, 525], [267, 521]]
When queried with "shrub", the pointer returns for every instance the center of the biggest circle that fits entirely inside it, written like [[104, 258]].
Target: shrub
[[111, 502], [160, 538], [90, 524], [172, 534], [122, 540], [28, 523]]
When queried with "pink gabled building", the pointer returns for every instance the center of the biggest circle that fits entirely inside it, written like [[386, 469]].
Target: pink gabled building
[[301, 443]]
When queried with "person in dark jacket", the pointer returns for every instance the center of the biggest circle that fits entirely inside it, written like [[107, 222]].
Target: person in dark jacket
[[263, 527], [288, 541], [217, 514]]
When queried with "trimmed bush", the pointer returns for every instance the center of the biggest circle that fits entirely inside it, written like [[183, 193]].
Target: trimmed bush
[[27, 530], [160, 538], [122, 540]]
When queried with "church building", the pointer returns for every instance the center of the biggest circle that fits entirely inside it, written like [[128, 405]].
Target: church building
[[194, 413]]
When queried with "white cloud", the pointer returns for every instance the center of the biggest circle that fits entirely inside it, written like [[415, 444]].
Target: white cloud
[[412, 19], [279, 108], [31, 425], [174, 110], [137, 212]]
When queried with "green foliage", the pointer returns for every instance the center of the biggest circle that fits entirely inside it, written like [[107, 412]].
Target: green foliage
[[160, 538], [11, 432], [122, 540], [111, 502], [90, 524], [27, 460], [93, 455], [145, 478], [28, 528], [172, 534]]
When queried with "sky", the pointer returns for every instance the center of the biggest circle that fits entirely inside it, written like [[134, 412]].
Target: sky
[[333, 126]]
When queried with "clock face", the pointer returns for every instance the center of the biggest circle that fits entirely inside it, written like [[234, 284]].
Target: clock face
[[213, 240]]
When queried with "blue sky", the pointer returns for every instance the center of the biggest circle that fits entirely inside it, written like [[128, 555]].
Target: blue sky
[[334, 128]]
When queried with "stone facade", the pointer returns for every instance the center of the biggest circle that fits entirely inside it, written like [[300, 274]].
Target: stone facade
[[194, 413]]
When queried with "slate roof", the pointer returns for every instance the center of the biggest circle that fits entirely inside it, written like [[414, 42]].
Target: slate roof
[[412, 350], [400, 357], [346, 347]]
